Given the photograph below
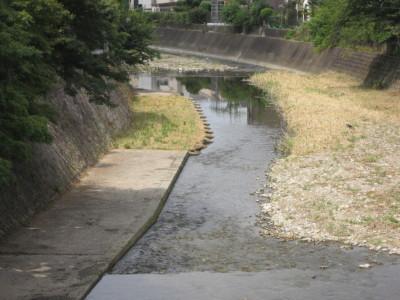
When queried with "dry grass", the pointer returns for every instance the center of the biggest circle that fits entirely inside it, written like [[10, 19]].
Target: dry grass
[[162, 121], [327, 111], [341, 180]]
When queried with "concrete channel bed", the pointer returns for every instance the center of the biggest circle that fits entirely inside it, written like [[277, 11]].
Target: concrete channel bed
[[207, 244], [67, 248]]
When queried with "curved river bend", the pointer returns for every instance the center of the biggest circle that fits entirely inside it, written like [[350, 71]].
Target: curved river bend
[[206, 243]]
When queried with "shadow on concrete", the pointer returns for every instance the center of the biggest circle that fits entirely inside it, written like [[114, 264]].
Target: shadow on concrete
[[65, 249]]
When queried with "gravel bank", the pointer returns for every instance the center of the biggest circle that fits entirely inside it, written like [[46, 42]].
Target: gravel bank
[[185, 64], [340, 179]]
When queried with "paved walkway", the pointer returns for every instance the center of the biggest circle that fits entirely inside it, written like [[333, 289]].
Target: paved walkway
[[67, 248]]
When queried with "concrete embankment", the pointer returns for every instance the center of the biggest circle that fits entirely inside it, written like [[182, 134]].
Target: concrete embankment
[[374, 68], [81, 133], [66, 249]]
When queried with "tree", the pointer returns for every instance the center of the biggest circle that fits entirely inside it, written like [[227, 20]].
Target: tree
[[357, 22], [382, 17], [198, 15], [30, 32], [205, 5], [325, 26], [266, 14], [193, 11], [246, 16], [230, 11], [255, 11], [239, 16], [86, 43], [124, 4]]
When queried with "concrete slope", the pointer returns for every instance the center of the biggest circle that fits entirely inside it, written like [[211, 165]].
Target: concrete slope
[[376, 69], [66, 249], [249, 48], [83, 133]]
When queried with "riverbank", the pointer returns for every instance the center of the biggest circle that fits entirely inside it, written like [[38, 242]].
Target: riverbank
[[277, 53], [340, 177], [66, 249], [180, 63], [82, 134], [162, 121]]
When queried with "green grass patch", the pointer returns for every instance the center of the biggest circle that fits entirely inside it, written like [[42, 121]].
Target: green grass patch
[[162, 121]]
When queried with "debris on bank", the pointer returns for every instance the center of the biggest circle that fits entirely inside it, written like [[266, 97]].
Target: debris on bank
[[184, 64]]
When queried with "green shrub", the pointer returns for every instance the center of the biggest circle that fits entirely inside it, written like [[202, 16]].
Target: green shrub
[[230, 10], [255, 11], [185, 13], [300, 33], [246, 17], [234, 14], [324, 26], [266, 14], [205, 5], [198, 15]]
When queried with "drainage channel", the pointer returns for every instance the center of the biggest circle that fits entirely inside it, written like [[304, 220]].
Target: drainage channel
[[206, 243]]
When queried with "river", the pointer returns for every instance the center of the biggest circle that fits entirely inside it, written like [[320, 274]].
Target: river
[[207, 244]]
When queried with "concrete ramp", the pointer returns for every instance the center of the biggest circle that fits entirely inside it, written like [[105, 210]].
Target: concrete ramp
[[66, 249]]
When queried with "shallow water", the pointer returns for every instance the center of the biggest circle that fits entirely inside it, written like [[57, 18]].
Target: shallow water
[[209, 221]]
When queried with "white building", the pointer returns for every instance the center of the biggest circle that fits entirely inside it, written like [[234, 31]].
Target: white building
[[153, 5]]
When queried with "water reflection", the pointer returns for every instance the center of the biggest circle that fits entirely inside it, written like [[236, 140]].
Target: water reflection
[[231, 95], [212, 206]]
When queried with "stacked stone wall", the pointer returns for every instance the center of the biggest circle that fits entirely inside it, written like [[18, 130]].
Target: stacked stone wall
[[82, 133]]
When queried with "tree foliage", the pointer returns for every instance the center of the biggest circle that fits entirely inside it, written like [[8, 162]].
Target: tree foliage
[[245, 16], [357, 22], [86, 43], [186, 12], [266, 14]]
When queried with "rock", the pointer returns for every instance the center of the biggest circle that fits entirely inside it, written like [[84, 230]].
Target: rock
[[207, 141], [194, 153], [198, 147], [364, 266], [323, 267]]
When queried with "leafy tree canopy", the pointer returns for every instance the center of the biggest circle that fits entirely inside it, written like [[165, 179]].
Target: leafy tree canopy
[[186, 12], [86, 43], [357, 22], [247, 16]]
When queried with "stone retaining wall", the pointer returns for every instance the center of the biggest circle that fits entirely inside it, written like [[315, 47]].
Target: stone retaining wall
[[374, 68], [83, 133]]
